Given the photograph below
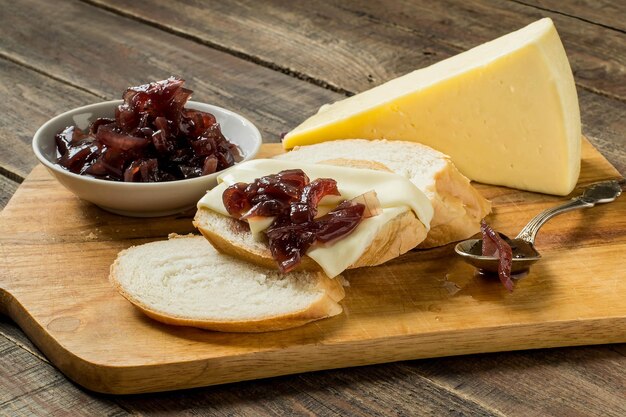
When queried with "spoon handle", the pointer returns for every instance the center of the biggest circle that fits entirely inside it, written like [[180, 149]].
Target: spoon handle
[[601, 192]]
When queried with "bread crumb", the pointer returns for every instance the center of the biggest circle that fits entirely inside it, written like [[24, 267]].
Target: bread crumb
[[176, 235], [91, 236]]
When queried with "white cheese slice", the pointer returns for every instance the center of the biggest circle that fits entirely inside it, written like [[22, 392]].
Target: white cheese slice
[[395, 193], [506, 112], [259, 224]]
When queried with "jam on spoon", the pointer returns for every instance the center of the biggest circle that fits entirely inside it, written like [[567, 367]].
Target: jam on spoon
[[494, 245], [522, 246]]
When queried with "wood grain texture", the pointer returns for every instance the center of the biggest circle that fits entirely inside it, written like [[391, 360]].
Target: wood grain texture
[[7, 188], [595, 53], [31, 386], [29, 100], [358, 44], [111, 53], [604, 124], [608, 13], [515, 382], [345, 392], [540, 382], [412, 307], [508, 382]]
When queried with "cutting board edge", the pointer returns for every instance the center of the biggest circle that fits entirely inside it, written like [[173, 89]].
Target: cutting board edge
[[131, 379]]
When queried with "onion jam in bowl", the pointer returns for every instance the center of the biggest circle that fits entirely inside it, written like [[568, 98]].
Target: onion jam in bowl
[[163, 194]]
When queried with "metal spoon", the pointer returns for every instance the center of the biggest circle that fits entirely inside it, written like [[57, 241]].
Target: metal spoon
[[524, 252]]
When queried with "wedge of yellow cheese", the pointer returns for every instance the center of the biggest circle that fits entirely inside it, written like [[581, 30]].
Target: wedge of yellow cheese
[[506, 112]]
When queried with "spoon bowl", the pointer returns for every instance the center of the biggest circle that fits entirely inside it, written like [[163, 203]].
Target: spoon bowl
[[525, 255]]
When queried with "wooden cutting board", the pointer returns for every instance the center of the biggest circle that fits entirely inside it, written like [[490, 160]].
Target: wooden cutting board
[[56, 251]]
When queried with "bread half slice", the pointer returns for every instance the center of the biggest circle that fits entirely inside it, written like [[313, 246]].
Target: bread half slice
[[184, 281], [458, 207], [400, 234]]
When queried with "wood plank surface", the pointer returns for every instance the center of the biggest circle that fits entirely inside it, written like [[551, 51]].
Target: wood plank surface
[[7, 188], [604, 124], [345, 392], [30, 386], [358, 392], [110, 53], [358, 44], [501, 384], [77, 318], [609, 13], [29, 100], [596, 374]]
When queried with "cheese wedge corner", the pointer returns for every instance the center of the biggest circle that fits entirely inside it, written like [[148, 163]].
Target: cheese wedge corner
[[505, 111]]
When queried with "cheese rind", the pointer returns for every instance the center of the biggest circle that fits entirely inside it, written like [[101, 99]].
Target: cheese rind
[[506, 112]]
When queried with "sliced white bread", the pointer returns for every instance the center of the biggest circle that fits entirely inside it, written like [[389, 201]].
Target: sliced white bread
[[184, 281], [231, 236], [458, 206]]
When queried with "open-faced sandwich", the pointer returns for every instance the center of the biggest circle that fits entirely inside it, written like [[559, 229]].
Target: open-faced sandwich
[[293, 215], [407, 180]]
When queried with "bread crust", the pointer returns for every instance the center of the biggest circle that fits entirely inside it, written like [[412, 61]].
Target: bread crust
[[326, 306], [451, 184]]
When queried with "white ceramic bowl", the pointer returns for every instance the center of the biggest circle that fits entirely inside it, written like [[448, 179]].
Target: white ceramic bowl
[[139, 199]]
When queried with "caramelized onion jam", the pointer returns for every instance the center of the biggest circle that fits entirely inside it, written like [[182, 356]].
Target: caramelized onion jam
[[292, 200], [494, 245], [153, 137]]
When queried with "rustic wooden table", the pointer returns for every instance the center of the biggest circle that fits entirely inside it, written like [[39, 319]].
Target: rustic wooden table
[[277, 62]]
